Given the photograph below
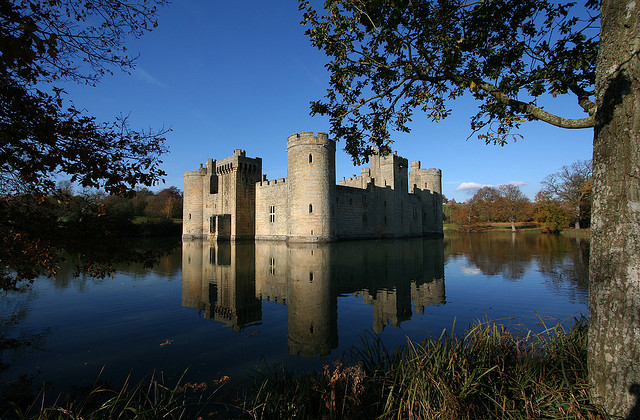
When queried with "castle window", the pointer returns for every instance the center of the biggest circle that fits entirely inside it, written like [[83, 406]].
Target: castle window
[[310, 277], [385, 219], [213, 184], [415, 211], [310, 158], [364, 217], [272, 214], [189, 216], [364, 200], [272, 266], [310, 208]]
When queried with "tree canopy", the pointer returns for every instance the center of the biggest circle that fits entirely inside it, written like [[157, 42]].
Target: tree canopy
[[44, 137], [391, 58], [572, 185], [42, 134]]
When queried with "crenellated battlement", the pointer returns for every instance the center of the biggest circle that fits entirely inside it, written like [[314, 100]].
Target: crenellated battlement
[[357, 181], [267, 183], [237, 162], [416, 168], [307, 137]]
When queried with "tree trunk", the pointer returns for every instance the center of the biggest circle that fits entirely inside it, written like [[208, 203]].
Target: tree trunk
[[513, 226], [579, 214], [614, 269]]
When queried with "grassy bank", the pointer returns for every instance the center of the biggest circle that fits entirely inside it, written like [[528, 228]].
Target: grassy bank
[[489, 372], [529, 227]]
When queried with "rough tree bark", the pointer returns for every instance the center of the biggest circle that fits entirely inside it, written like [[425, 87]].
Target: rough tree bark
[[614, 295]]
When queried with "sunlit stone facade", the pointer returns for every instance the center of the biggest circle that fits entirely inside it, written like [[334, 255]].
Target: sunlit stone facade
[[230, 199]]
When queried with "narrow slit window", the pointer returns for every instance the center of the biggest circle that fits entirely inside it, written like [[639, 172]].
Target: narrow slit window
[[310, 208], [272, 214], [310, 158]]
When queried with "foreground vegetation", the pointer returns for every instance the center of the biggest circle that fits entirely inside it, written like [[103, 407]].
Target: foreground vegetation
[[489, 372]]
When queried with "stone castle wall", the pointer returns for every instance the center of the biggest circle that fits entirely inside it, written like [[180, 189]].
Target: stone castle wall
[[272, 209], [231, 199]]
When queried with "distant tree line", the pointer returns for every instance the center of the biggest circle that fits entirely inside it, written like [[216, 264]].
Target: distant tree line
[[142, 203], [92, 228], [565, 199]]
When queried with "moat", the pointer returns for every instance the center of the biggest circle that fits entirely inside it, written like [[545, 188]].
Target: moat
[[226, 309]]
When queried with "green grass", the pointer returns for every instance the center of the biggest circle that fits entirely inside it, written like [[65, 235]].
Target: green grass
[[148, 399], [529, 227], [488, 373], [582, 233]]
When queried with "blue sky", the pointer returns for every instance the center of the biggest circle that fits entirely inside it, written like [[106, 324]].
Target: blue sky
[[227, 75]]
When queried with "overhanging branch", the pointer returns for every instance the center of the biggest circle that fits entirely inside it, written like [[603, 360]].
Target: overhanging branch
[[536, 111]]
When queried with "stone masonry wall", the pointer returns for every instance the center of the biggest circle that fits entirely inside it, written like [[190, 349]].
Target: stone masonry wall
[[272, 195], [312, 177], [192, 208]]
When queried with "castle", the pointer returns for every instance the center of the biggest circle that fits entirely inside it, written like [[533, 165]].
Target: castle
[[230, 199]]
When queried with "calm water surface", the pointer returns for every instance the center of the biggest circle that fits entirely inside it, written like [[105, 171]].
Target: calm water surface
[[227, 309]]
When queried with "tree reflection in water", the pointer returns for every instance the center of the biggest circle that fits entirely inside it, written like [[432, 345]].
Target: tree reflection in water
[[563, 261]]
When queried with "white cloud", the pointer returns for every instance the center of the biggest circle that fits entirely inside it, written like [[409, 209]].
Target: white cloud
[[145, 76], [470, 271], [518, 183], [471, 187]]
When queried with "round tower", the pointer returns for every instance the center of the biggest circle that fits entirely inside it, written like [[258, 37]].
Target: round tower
[[433, 179], [192, 211], [311, 169], [434, 183]]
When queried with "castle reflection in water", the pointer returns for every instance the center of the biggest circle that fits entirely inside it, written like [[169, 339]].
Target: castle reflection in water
[[228, 281]]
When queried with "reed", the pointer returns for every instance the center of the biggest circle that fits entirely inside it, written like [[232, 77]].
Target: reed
[[149, 398], [489, 372]]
